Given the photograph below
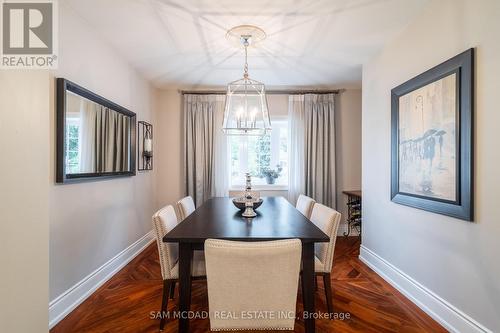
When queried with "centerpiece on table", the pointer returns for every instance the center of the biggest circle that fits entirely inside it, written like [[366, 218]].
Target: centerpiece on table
[[249, 201], [271, 174]]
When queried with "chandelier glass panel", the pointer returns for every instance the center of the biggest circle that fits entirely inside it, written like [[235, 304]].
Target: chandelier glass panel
[[246, 111]]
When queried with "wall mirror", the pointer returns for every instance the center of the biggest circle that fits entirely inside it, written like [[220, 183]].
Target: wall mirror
[[95, 137]]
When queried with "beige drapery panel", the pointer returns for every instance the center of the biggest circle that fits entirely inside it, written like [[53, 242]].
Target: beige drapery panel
[[205, 147], [105, 139], [111, 141], [312, 147]]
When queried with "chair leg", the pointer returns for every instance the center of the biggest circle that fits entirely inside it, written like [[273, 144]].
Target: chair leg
[[172, 289], [301, 286], [328, 292], [164, 302]]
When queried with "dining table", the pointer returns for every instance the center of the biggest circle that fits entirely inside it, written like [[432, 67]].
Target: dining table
[[218, 218]]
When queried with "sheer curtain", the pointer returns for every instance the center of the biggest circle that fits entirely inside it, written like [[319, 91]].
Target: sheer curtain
[[87, 138], [205, 147], [296, 151], [312, 147]]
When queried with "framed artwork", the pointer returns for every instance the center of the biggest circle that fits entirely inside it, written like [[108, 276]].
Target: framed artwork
[[432, 142]]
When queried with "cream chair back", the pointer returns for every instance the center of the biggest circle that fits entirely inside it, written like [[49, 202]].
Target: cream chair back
[[186, 207], [305, 205], [328, 220], [244, 277], [165, 220]]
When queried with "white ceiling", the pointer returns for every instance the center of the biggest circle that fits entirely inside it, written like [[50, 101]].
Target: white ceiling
[[309, 42]]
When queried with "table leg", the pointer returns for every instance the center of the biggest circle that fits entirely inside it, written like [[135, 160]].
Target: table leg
[[308, 285], [185, 257]]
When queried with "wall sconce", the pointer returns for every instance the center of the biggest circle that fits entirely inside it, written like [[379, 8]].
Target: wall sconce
[[144, 146]]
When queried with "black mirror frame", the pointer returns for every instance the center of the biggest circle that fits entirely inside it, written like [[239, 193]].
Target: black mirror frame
[[64, 85]]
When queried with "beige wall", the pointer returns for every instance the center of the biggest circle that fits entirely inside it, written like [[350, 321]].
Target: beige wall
[[168, 147], [348, 148], [24, 222], [457, 260], [278, 105], [92, 221]]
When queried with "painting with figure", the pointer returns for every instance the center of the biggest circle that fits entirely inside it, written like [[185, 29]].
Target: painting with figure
[[427, 140]]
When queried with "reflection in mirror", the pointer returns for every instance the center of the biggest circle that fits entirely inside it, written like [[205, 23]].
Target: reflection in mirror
[[97, 138]]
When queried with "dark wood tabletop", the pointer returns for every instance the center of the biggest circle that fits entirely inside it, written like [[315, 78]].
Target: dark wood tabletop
[[355, 193], [219, 218]]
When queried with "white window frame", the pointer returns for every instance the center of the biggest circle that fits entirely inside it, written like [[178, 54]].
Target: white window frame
[[243, 158]]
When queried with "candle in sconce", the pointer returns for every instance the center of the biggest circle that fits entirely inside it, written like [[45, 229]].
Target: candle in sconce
[[239, 115], [148, 145], [252, 118]]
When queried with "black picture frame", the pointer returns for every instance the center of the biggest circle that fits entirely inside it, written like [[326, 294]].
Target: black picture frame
[[62, 86], [462, 207]]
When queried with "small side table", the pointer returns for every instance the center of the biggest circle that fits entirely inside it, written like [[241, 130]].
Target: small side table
[[353, 212]]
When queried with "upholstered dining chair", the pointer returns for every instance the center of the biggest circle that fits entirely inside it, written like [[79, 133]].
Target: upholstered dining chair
[[245, 277], [165, 220], [328, 220], [305, 205], [185, 206]]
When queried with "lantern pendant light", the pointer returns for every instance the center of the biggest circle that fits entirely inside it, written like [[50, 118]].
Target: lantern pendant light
[[246, 111]]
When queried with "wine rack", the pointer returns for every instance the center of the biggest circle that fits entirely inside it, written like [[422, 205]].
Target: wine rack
[[353, 212]]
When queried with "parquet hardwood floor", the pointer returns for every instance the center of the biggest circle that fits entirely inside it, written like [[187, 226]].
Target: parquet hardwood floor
[[125, 302]]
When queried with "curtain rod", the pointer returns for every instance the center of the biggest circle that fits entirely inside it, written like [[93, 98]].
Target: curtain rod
[[268, 92]]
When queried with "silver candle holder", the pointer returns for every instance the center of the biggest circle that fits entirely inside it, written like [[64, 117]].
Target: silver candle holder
[[249, 200], [249, 212]]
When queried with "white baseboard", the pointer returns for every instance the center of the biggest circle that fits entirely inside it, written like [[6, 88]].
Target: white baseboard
[[441, 310], [62, 305]]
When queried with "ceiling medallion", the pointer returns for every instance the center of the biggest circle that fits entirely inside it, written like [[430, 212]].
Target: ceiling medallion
[[246, 111]]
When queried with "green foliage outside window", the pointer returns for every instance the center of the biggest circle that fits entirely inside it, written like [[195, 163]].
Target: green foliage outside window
[[260, 156], [72, 157], [263, 155]]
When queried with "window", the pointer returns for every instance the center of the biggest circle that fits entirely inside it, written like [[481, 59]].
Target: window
[[72, 145], [264, 157]]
